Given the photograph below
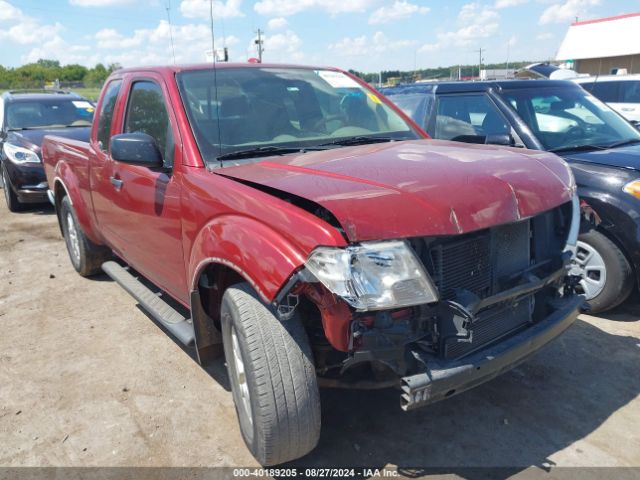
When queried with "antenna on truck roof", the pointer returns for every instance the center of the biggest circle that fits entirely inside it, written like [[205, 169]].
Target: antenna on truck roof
[[215, 76]]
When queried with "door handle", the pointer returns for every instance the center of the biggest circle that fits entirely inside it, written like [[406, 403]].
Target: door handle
[[116, 182]]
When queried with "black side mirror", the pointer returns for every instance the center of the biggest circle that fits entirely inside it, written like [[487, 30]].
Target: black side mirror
[[136, 149], [636, 124], [499, 139]]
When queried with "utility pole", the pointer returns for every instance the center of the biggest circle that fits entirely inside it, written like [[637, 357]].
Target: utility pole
[[480, 61], [259, 43]]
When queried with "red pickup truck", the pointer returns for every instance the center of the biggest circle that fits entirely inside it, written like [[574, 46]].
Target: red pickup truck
[[295, 219]]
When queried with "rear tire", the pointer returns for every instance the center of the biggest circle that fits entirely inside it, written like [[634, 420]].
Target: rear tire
[[86, 257], [272, 378], [13, 204], [607, 276]]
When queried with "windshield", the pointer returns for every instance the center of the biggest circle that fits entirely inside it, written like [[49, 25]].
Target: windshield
[[26, 114], [563, 118], [414, 105], [282, 107]]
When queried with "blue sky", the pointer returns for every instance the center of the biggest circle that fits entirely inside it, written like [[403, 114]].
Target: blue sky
[[367, 35]]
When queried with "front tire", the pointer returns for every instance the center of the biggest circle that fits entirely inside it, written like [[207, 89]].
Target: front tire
[[607, 276], [86, 257], [13, 204], [272, 378]]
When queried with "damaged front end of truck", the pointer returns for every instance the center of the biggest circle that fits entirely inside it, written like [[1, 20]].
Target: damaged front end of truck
[[437, 315]]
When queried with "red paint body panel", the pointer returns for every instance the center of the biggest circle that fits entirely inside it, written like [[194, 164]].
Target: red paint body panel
[[169, 227], [418, 188]]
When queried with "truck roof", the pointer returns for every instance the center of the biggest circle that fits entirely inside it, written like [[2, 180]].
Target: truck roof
[[172, 69]]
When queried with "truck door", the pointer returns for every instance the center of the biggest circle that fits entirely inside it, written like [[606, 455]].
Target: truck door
[[144, 213]]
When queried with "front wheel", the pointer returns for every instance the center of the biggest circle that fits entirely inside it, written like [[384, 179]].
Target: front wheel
[[606, 274], [272, 378]]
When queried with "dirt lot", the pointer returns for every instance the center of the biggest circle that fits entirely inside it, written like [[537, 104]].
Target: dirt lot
[[86, 379]]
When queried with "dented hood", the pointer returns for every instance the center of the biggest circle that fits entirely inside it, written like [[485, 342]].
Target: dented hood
[[417, 188]]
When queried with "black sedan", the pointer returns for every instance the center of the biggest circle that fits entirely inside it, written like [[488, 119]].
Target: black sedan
[[602, 148], [25, 118]]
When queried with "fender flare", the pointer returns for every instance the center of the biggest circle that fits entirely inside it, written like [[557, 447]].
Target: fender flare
[[257, 252]]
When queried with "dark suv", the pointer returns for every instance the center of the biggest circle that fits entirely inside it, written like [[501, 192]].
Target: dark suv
[[602, 148], [25, 118]]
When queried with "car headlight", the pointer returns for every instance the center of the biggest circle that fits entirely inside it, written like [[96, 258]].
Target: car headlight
[[632, 188], [373, 275], [20, 154]]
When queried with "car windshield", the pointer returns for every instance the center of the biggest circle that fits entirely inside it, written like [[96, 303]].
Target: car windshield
[[566, 118], [284, 108], [28, 114], [414, 105]]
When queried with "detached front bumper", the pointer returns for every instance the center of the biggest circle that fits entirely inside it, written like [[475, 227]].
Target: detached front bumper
[[446, 378]]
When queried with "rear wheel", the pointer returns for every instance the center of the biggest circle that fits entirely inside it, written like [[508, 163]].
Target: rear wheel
[[86, 257], [607, 276], [13, 204], [272, 378]]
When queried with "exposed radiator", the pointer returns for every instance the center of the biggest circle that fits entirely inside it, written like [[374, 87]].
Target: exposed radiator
[[483, 263]]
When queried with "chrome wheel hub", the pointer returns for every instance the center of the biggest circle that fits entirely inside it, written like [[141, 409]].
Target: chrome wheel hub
[[589, 265], [241, 376], [73, 240]]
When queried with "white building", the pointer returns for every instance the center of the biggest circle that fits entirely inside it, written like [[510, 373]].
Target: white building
[[601, 46]]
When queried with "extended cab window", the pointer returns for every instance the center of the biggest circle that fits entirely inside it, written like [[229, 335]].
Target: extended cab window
[[468, 118], [147, 113], [106, 113]]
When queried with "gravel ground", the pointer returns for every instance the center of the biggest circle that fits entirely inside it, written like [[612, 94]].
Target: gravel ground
[[86, 379]]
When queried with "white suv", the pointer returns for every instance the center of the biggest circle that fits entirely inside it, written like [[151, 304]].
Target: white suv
[[621, 92]]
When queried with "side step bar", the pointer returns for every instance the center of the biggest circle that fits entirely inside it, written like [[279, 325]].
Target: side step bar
[[178, 325]]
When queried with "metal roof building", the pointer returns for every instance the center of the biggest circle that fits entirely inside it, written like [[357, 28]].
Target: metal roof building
[[603, 45]]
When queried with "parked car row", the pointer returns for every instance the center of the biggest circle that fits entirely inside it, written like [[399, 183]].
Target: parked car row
[[304, 226], [560, 117]]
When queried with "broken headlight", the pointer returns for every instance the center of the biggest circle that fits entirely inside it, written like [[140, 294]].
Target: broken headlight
[[373, 275]]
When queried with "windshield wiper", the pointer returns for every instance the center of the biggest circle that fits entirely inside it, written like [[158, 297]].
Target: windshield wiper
[[577, 148], [357, 141], [621, 143], [259, 152]]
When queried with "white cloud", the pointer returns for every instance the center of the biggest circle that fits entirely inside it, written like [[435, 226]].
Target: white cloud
[[29, 32], [98, 3], [22, 29], [363, 45], [567, 11], [475, 23], [9, 12], [277, 23], [201, 8], [279, 48], [400, 9], [284, 8], [154, 45], [509, 3]]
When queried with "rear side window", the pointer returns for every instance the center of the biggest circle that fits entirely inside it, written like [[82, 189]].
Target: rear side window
[[147, 113], [605, 91], [106, 113]]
